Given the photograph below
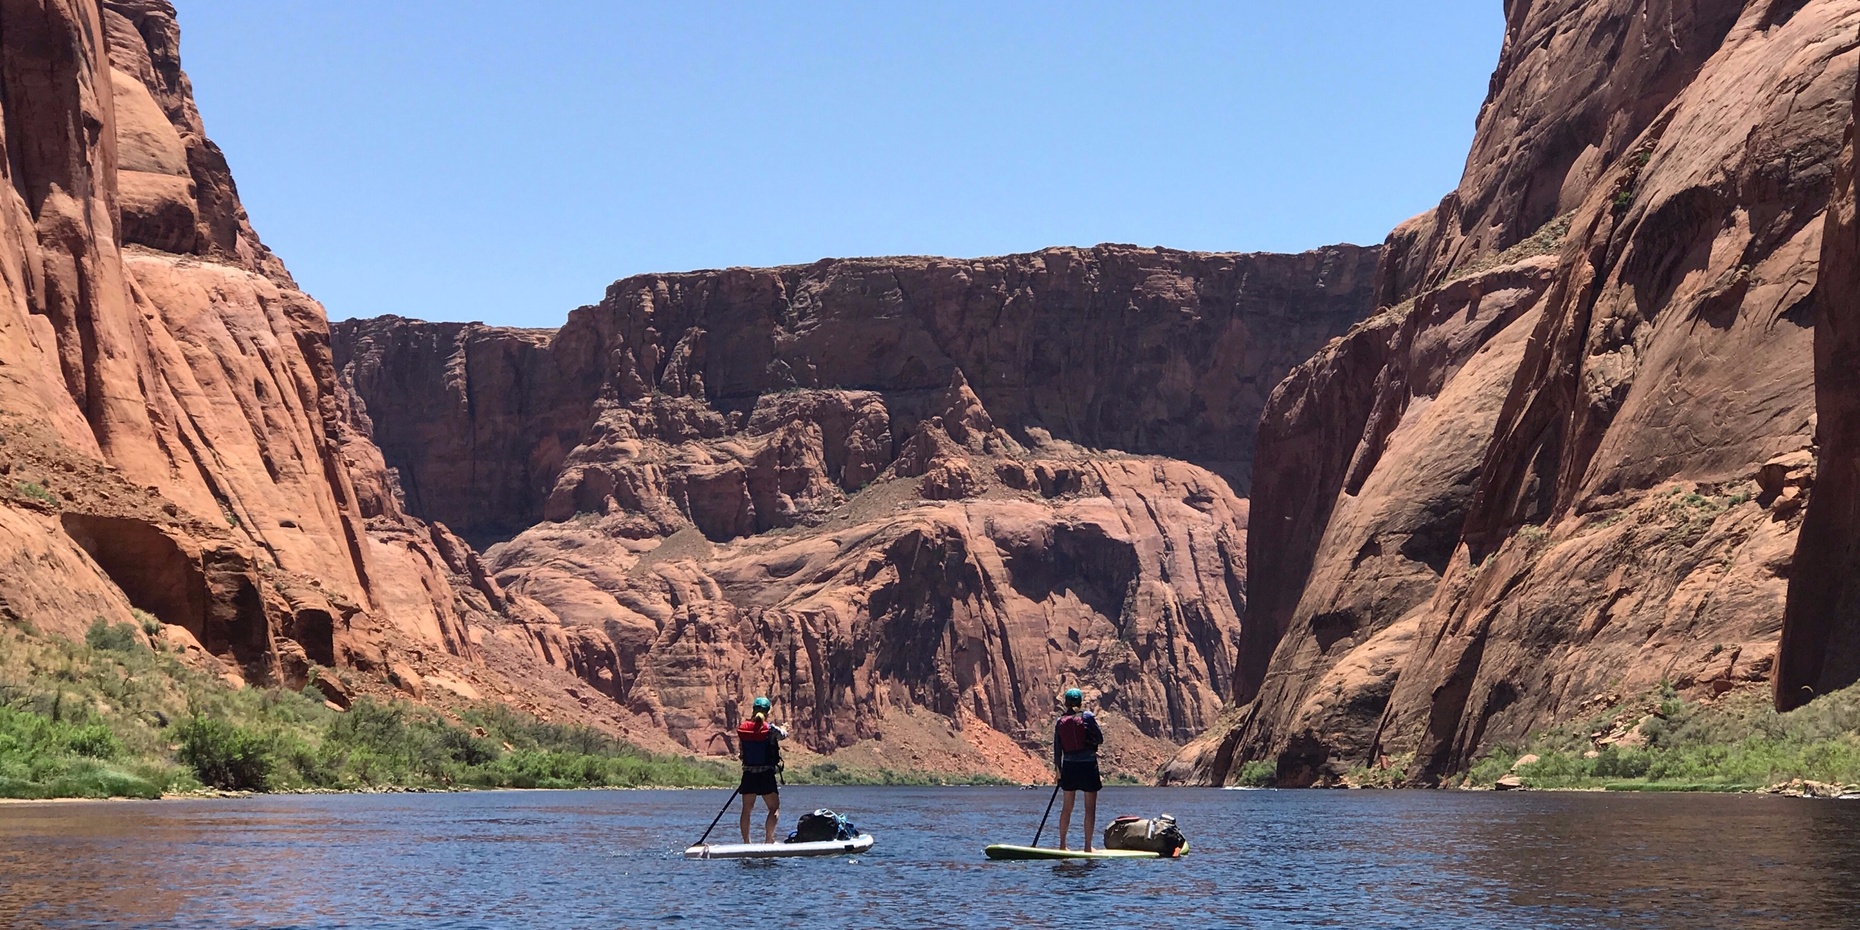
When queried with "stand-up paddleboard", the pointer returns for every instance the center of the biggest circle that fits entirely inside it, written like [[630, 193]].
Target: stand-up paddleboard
[[857, 844], [1003, 851]]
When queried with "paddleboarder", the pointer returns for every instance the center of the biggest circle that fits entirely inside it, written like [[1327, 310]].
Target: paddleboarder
[[1076, 739], [759, 744]]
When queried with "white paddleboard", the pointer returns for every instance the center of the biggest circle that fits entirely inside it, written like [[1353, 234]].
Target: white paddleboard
[[857, 844]]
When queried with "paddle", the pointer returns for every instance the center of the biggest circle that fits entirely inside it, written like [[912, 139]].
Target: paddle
[[726, 808], [1049, 813]]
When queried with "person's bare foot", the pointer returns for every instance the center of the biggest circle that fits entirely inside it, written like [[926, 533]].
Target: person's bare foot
[[1088, 849]]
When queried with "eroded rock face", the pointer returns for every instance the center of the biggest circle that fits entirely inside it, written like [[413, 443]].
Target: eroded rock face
[[1577, 83], [1820, 648], [1397, 514], [877, 489], [173, 440], [910, 614], [1565, 496], [1114, 347]]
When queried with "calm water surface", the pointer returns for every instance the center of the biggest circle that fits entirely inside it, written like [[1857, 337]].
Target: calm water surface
[[1259, 859]]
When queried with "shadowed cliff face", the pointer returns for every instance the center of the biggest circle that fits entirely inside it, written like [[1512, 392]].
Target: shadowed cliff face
[[1578, 466], [171, 437], [911, 497], [1821, 638]]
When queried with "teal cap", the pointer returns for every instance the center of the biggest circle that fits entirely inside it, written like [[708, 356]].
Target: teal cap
[[1075, 696], [760, 703]]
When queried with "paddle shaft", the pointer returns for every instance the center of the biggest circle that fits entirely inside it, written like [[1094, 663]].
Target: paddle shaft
[[1049, 813], [726, 809]]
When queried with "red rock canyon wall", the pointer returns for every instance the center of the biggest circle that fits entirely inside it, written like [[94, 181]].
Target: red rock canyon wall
[[171, 435], [1568, 462], [909, 496]]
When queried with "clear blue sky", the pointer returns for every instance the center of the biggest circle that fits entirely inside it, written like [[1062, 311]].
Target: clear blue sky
[[505, 162]]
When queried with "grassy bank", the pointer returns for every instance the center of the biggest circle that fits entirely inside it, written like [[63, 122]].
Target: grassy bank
[[111, 718], [1660, 742], [832, 773]]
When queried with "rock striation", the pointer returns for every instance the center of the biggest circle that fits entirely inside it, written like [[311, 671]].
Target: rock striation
[[1568, 461], [172, 441], [906, 495], [1114, 347], [1820, 648]]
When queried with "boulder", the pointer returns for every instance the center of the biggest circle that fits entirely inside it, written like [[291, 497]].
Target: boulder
[[402, 676]]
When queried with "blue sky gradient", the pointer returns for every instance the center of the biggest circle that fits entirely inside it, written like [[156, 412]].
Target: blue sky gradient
[[505, 162]]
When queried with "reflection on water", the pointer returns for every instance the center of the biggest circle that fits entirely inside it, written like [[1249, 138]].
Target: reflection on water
[[1260, 859]]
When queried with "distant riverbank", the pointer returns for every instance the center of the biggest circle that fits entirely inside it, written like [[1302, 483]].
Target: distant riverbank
[[1661, 742], [109, 717]]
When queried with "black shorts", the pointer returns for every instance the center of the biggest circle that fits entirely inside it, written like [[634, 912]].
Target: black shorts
[[758, 783], [1080, 775]]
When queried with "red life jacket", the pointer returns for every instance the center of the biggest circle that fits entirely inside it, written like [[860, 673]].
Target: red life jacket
[[1074, 736], [760, 750]]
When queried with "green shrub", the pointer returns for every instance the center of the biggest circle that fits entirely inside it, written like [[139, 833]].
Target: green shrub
[[94, 720], [1390, 773], [225, 756], [1736, 743], [833, 773], [112, 637], [35, 491], [1617, 763], [95, 741], [1491, 767], [1258, 773]]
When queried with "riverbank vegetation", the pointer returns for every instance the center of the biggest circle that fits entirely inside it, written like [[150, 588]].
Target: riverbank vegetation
[[1661, 742], [110, 717], [833, 773]]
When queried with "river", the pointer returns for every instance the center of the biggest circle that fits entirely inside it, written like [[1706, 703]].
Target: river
[[1259, 859]]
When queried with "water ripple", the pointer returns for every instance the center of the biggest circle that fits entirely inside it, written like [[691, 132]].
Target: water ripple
[[1260, 859]]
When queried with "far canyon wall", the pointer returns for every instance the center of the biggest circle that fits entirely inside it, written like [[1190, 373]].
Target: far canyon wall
[[911, 498]]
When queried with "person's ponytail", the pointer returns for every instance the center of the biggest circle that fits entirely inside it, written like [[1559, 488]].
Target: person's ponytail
[[761, 717]]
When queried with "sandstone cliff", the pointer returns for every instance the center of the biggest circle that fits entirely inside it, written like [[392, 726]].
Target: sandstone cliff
[[908, 496], [1567, 463], [1820, 649], [171, 437], [1554, 444]]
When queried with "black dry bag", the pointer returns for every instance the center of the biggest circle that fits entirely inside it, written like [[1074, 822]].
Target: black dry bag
[[1157, 835], [822, 826]]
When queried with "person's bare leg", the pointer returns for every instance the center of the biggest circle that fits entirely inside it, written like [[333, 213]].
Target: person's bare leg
[[773, 803], [1065, 818], [1091, 817], [749, 804]]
